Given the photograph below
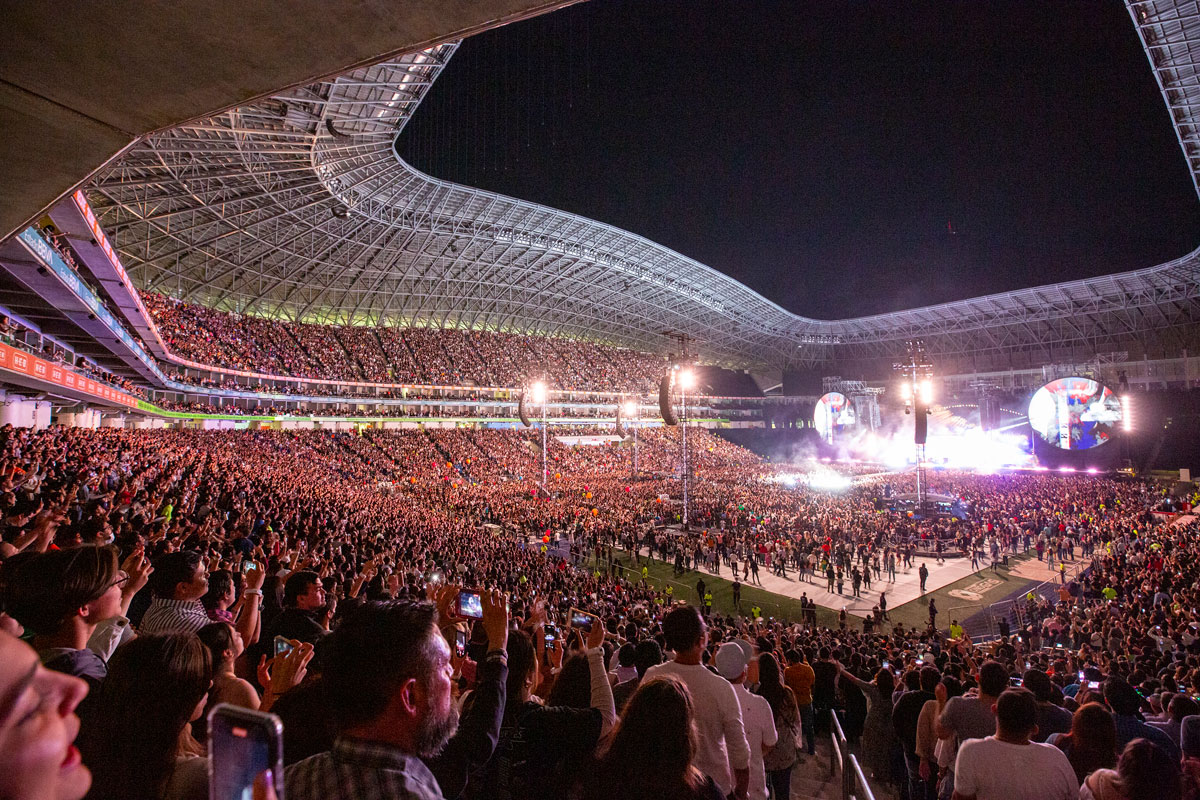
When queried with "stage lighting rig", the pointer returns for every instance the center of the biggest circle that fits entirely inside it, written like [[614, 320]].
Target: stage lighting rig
[[916, 388]]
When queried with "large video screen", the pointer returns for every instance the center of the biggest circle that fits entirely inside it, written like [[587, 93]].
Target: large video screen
[[833, 414], [1075, 413]]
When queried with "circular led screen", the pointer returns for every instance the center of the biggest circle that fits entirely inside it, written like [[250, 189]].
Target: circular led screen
[[833, 414], [1075, 413]]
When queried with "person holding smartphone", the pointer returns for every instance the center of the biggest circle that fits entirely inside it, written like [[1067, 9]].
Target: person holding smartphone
[[539, 742]]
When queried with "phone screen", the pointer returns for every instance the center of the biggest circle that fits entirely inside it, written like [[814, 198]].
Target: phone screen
[[241, 744], [460, 643], [1093, 684], [469, 605], [1081, 676], [282, 646], [581, 620], [247, 566]]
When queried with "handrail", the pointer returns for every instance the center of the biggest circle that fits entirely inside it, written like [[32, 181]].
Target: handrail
[[838, 751], [859, 788], [845, 764]]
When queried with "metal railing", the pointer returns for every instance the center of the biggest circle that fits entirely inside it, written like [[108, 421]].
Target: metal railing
[[1014, 610], [844, 764]]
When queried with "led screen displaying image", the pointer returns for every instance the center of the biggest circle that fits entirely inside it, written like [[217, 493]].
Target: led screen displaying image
[[833, 414], [1075, 413]]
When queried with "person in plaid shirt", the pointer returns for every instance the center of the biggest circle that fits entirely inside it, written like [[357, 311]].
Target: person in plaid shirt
[[387, 677]]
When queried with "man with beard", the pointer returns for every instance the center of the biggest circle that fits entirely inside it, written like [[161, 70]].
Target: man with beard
[[387, 680]]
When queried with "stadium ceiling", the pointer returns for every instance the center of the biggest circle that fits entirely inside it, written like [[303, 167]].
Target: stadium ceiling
[[298, 207], [83, 82]]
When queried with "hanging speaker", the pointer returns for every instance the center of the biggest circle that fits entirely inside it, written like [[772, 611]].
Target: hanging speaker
[[522, 412], [921, 413], [664, 400], [620, 429]]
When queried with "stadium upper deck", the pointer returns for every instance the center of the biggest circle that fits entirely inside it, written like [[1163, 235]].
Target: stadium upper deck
[[298, 207]]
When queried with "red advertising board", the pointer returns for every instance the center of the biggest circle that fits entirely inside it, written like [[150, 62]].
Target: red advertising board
[[19, 361]]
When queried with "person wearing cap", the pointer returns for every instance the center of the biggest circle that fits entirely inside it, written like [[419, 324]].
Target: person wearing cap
[[732, 662]]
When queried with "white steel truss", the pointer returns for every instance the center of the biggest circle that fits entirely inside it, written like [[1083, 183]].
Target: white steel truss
[[298, 207]]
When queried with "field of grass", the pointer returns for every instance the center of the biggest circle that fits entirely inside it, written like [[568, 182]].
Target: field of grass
[[772, 605]]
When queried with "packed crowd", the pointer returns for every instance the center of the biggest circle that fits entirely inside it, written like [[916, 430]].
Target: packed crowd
[[396, 355], [152, 574]]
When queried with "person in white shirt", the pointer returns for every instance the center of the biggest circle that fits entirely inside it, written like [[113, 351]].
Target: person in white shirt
[[722, 752], [732, 661], [1008, 766]]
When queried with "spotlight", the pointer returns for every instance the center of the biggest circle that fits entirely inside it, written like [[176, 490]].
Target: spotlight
[[927, 390], [539, 392], [906, 391], [630, 409], [687, 379]]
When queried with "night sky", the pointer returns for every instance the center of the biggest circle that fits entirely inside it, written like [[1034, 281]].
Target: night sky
[[839, 158]]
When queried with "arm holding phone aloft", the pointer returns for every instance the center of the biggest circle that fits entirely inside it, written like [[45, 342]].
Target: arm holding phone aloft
[[251, 604], [479, 728], [283, 672], [602, 696]]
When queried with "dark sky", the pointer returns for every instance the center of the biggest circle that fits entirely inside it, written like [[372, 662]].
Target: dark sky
[[821, 153]]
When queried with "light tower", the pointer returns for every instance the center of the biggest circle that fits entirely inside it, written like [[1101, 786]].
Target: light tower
[[540, 396], [916, 389], [631, 412], [687, 379]]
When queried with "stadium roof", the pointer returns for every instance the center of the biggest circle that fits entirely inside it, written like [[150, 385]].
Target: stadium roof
[[298, 206]]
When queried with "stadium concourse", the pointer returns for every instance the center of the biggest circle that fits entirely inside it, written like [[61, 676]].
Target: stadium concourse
[[324, 478]]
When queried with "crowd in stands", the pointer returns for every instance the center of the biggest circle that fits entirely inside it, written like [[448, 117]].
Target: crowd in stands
[[150, 572], [396, 355]]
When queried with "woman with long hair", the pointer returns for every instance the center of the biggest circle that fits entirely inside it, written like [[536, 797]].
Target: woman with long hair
[[649, 753], [1143, 771], [1092, 741], [783, 756], [225, 645], [137, 739], [879, 737]]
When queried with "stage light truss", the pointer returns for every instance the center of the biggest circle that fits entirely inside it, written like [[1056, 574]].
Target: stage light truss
[[297, 207]]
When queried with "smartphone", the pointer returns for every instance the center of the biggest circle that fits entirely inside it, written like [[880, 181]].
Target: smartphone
[[1081, 676], [1093, 684], [582, 621], [469, 605], [247, 566], [241, 744], [460, 643], [886, 665], [551, 634], [282, 646], [1058, 644], [1015, 681]]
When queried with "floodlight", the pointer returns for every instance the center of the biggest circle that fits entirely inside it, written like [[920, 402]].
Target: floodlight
[[630, 408], [539, 392], [927, 390], [906, 391], [687, 379]]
